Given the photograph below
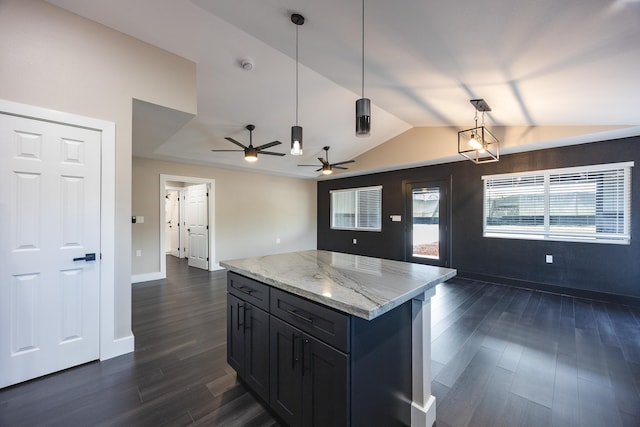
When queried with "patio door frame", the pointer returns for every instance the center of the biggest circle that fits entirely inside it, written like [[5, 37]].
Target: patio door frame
[[444, 228]]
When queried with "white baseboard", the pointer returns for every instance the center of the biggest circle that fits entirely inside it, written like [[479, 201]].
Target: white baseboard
[[118, 347], [423, 416], [215, 267], [137, 278]]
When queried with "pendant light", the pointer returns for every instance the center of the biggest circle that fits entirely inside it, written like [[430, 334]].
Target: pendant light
[[478, 144], [296, 131], [363, 105]]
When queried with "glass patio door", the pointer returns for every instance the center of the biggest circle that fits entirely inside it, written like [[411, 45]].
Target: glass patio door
[[427, 240]]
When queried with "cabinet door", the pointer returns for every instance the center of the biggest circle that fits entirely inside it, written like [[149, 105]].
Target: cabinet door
[[235, 334], [256, 372], [286, 372], [325, 384]]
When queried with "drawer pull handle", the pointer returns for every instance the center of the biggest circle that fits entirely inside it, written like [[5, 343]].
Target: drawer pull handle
[[294, 313], [246, 290]]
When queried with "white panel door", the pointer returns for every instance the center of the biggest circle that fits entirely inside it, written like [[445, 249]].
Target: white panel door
[[172, 217], [197, 214], [50, 211]]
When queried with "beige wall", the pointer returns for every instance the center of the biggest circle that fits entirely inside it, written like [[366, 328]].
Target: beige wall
[[431, 145], [251, 211], [54, 59]]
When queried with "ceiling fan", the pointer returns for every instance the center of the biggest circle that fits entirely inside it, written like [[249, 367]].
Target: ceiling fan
[[327, 168], [251, 152]]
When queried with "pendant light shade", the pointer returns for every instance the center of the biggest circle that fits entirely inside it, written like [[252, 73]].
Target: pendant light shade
[[296, 131], [363, 105], [363, 117], [296, 140]]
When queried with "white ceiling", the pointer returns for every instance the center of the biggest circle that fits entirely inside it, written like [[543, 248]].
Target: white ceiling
[[537, 63]]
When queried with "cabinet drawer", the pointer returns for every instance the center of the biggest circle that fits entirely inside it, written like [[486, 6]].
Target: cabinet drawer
[[322, 322], [248, 290]]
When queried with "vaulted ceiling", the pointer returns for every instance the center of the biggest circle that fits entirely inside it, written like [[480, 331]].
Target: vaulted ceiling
[[539, 64]]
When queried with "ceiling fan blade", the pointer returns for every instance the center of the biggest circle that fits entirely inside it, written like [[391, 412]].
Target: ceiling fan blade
[[318, 170], [343, 163], [227, 150], [269, 145], [235, 142], [339, 167], [271, 153], [307, 165]]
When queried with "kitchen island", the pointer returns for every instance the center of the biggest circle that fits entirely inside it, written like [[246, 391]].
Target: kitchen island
[[327, 338]]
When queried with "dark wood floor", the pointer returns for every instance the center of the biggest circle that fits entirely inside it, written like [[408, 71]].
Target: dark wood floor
[[501, 357]]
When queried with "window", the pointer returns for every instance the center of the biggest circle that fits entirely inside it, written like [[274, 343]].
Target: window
[[582, 204], [357, 209]]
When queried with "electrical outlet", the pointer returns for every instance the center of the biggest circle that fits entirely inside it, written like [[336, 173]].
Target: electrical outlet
[[355, 241], [277, 241], [549, 259], [138, 252]]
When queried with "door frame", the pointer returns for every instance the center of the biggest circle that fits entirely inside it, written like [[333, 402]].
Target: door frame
[[110, 345], [213, 263], [445, 244]]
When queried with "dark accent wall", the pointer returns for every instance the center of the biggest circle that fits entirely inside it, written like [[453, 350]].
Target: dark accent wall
[[603, 271]]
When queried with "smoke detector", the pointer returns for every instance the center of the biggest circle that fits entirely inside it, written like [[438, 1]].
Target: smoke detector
[[247, 64]]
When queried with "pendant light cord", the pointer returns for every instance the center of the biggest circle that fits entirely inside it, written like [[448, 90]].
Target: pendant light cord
[[297, 75], [362, 48]]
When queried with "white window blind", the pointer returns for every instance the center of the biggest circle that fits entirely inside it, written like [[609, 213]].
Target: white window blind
[[357, 209], [582, 204]]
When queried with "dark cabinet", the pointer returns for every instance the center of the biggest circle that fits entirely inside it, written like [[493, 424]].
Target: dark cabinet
[[248, 344], [309, 379], [316, 366]]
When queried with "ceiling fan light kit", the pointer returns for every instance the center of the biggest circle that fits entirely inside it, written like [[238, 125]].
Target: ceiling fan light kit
[[478, 144]]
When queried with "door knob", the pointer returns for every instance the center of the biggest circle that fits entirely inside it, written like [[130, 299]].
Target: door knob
[[86, 257]]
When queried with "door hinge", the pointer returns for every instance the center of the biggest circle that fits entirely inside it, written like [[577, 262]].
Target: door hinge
[[207, 227], [207, 194], [207, 259]]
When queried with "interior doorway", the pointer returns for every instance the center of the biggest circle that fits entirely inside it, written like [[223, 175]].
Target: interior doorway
[[187, 221], [173, 245]]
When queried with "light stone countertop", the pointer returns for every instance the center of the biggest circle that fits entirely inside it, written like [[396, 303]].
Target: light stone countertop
[[362, 286]]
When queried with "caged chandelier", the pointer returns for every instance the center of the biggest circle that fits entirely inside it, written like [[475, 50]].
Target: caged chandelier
[[478, 144]]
